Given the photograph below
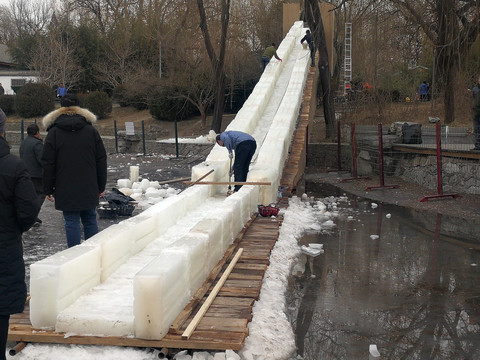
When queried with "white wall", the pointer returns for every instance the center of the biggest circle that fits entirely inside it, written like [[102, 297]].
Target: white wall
[[6, 81]]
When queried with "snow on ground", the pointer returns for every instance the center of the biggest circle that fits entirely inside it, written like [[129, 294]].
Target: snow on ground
[[271, 335]]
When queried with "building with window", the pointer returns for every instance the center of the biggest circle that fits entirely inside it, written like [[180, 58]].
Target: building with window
[[10, 78]]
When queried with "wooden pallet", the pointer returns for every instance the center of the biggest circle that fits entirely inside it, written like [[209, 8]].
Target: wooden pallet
[[225, 324]]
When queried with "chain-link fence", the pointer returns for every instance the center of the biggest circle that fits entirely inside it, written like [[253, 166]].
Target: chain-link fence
[[436, 157]]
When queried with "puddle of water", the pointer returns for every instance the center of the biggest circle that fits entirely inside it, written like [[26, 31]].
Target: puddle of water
[[389, 276]]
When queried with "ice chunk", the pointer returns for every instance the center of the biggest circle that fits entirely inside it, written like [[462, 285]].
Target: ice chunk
[[58, 280], [144, 184], [134, 172], [124, 183], [193, 251], [116, 245], [373, 350], [126, 191], [310, 251], [160, 292], [211, 230]]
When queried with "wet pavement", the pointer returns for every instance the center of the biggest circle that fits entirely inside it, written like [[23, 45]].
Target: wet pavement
[[403, 280], [49, 238]]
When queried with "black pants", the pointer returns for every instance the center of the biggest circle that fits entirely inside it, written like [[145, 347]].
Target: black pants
[[4, 319], [38, 184], [243, 155], [476, 131]]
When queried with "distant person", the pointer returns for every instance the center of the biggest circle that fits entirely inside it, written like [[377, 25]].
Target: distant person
[[19, 208], [31, 153], [309, 40], [2, 90], [244, 146], [61, 91], [423, 90], [476, 114], [74, 167], [269, 52]]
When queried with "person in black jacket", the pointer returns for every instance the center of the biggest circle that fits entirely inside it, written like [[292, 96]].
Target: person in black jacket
[[31, 153], [308, 38], [19, 207], [74, 167]]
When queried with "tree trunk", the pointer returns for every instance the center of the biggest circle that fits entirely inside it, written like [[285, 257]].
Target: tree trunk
[[313, 16], [449, 94], [217, 63]]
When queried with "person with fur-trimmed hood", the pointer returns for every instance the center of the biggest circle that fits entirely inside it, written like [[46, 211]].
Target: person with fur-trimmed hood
[[75, 167]]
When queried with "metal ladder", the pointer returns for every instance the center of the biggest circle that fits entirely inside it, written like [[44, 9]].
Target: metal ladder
[[347, 61]]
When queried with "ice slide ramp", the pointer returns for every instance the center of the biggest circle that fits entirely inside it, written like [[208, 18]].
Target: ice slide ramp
[[134, 278]]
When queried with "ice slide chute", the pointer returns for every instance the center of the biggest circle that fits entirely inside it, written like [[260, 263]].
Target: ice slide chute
[[134, 278]]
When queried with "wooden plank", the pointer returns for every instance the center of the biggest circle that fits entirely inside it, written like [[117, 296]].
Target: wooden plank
[[240, 292], [191, 327], [243, 266], [199, 179], [219, 300], [227, 183], [207, 340], [243, 276], [223, 323]]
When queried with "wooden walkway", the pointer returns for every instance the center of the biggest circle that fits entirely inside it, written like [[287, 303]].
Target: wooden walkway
[[225, 324]]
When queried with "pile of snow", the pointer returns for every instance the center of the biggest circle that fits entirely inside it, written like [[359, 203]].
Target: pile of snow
[[146, 192], [202, 139]]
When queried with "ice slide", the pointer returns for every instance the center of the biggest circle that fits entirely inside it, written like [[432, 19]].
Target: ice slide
[[135, 277]]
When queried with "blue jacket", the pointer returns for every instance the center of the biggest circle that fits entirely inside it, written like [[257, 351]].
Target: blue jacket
[[231, 139], [423, 89]]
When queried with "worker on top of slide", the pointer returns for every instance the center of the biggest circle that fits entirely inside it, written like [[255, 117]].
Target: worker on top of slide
[[269, 52], [244, 146]]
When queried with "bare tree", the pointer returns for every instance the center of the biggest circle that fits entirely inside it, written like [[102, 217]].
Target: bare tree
[[216, 61], [119, 66], [452, 26], [30, 16], [54, 61]]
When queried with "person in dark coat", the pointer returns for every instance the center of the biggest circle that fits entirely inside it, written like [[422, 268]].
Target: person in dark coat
[[19, 207], [244, 146], [31, 153], [74, 167], [308, 38]]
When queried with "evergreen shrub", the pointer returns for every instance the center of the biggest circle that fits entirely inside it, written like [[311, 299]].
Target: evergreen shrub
[[7, 103], [99, 103], [165, 104], [34, 99]]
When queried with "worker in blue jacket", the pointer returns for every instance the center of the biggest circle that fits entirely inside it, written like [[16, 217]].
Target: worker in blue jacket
[[244, 146]]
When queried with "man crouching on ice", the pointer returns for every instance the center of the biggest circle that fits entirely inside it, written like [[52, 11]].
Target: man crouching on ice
[[244, 146]]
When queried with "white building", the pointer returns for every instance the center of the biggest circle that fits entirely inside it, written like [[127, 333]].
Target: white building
[[10, 78]]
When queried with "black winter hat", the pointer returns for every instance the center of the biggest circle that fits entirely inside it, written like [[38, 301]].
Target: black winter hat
[[68, 100]]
